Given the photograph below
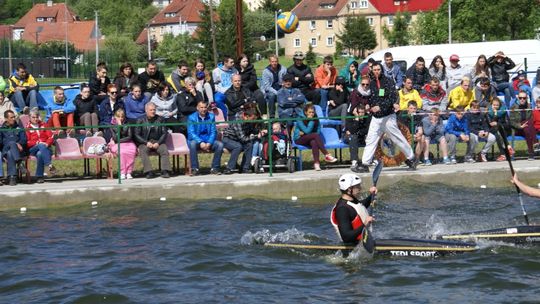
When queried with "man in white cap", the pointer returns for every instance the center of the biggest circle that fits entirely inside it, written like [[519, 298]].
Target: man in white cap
[[454, 73], [350, 216]]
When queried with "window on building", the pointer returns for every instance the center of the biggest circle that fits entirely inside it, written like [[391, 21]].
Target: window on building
[[390, 20], [370, 20], [329, 23], [313, 42], [330, 41], [354, 5], [364, 4], [296, 42], [396, 2], [312, 24], [169, 15], [40, 19]]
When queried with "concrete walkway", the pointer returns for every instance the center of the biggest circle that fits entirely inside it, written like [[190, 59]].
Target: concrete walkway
[[281, 185]]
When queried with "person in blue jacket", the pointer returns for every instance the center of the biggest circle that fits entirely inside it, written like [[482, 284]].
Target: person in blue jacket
[[13, 141], [134, 104], [61, 112], [308, 133], [202, 134], [457, 129]]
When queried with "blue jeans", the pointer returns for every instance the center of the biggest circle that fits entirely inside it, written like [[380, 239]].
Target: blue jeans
[[256, 148], [13, 155], [324, 99], [508, 90], [1, 165], [220, 99], [271, 100], [235, 148], [43, 155], [217, 148], [20, 100]]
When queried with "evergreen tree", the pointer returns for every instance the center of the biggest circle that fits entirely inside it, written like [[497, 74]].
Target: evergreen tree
[[357, 36], [399, 34], [311, 57]]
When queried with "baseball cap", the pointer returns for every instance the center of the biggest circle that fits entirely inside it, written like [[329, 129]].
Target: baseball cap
[[454, 57], [299, 55]]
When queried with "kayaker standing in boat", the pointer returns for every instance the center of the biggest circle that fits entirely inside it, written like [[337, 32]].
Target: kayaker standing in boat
[[524, 188], [350, 215]]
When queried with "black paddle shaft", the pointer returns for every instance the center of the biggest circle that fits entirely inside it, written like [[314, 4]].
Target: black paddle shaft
[[509, 159]]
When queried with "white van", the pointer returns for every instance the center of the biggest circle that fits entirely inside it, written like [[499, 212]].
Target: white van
[[517, 50]]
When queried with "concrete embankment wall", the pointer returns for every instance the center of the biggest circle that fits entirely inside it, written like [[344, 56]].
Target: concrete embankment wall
[[304, 184]]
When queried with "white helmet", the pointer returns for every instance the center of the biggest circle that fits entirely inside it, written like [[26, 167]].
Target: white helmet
[[348, 180]]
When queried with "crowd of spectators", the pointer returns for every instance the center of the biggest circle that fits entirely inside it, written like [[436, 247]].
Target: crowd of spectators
[[440, 104]]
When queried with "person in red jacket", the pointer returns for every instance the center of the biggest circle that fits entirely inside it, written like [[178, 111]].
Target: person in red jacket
[[536, 117], [39, 143]]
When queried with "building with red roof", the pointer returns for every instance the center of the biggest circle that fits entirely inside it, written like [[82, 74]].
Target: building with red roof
[[179, 17], [321, 20], [56, 21]]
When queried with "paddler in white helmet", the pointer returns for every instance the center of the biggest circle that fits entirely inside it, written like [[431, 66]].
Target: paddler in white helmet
[[350, 215]]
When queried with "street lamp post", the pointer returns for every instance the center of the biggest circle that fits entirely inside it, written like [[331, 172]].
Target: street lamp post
[[449, 21], [276, 14]]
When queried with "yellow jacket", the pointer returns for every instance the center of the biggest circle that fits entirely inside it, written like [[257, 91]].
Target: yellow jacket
[[404, 99], [15, 81], [459, 97]]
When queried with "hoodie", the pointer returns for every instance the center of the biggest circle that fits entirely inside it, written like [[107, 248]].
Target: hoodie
[[29, 82], [65, 105], [223, 78], [177, 81], [249, 77], [351, 82], [271, 80], [134, 107], [165, 106]]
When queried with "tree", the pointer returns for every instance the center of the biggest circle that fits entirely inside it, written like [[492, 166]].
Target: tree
[[429, 28], [357, 36], [121, 48], [13, 10], [175, 48], [399, 34], [311, 57]]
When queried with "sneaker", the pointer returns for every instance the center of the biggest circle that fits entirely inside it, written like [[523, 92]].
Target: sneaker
[[165, 174], [427, 162], [483, 157], [150, 175], [446, 161], [98, 134], [215, 171], [122, 176], [12, 180], [354, 163], [412, 163], [330, 159], [40, 180], [52, 170], [531, 157], [261, 170], [227, 171], [194, 172], [469, 159], [360, 168], [317, 167], [253, 159], [128, 176], [453, 160]]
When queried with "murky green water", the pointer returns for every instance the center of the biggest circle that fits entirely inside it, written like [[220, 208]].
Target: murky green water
[[178, 252]]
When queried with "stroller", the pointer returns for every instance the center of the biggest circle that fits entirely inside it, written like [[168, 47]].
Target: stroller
[[281, 153]]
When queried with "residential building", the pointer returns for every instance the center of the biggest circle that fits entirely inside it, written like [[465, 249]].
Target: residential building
[[161, 3], [179, 17], [321, 20], [253, 5], [55, 21]]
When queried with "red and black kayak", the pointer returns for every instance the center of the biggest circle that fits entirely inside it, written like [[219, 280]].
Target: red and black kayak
[[392, 247], [516, 235]]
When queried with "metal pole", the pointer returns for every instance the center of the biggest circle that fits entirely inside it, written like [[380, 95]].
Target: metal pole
[[276, 32], [148, 42], [450, 21], [97, 38], [67, 49], [10, 60], [213, 32]]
